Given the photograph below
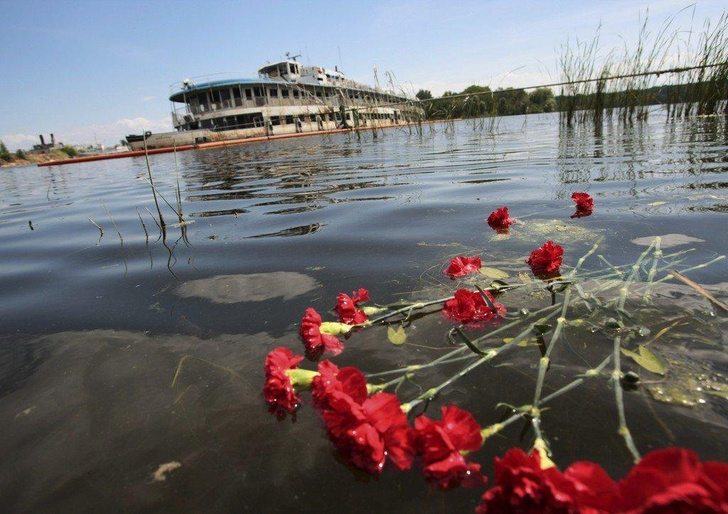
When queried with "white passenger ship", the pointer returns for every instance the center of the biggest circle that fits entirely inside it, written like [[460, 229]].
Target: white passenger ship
[[286, 98]]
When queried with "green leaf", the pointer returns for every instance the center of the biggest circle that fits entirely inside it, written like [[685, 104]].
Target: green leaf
[[541, 328], [468, 342], [720, 390], [493, 273], [398, 336], [646, 359]]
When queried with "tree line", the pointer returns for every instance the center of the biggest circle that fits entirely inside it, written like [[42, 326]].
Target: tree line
[[477, 101]]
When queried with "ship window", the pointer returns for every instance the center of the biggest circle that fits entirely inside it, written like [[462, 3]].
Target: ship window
[[295, 93], [318, 94], [289, 119], [274, 92], [258, 92], [248, 94], [275, 120], [284, 93]]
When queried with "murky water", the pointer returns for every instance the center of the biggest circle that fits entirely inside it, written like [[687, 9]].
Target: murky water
[[120, 352]]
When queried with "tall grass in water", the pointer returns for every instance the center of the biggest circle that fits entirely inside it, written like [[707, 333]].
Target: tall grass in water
[[621, 84]]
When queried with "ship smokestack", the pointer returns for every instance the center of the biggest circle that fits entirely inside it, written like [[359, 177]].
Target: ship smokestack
[[42, 141], [53, 139]]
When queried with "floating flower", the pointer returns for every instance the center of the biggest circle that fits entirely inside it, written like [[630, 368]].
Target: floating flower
[[369, 433], [278, 390], [499, 220], [674, 480], [348, 380], [584, 204], [471, 307], [462, 265], [546, 260], [522, 485], [314, 336], [346, 307], [441, 444]]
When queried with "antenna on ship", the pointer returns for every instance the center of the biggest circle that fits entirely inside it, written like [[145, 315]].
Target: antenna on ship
[[288, 56], [376, 77]]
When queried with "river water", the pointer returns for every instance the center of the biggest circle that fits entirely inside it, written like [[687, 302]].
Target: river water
[[121, 351]]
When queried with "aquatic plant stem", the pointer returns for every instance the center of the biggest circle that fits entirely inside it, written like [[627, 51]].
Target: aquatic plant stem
[[653, 270], [162, 225]]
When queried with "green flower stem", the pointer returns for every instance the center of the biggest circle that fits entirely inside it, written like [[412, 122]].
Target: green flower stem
[[544, 361], [375, 388], [410, 308], [417, 367], [692, 268], [526, 410], [623, 429], [406, 407], [448, 357], [485, 358]]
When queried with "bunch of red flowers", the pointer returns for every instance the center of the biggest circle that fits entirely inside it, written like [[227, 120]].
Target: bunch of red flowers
[[278, 389], [370, 431], [546, 260], [346, 307], [472, 307], [672, 480], [463, 265], [500, 220], [584, 204]]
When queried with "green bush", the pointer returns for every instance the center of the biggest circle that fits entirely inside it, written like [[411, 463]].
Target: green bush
[[20, 154], [70, 151], [5, 156]]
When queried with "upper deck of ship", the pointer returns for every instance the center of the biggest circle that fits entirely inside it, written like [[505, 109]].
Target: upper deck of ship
[[287, 72]]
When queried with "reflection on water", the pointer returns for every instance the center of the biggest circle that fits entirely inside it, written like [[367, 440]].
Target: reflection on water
[[123, 351], [255, 287]]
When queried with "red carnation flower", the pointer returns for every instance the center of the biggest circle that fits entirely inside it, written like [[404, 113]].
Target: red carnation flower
[[522, 486], [674, 480], [315, 341], [346, 307], [584, 204], [278, 389], [546, 261], [369, 433], [470, 307], [499, 220], [348, 380], [441, 442], [462, 265]]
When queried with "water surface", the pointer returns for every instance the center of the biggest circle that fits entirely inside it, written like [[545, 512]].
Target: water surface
[[121, 351]]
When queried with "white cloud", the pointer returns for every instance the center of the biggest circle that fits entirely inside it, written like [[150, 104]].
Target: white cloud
[[147, 98], [21, 141], [110, 133], [105, 133]]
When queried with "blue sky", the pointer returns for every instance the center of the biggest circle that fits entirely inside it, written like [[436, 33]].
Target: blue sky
[[94, 69]]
